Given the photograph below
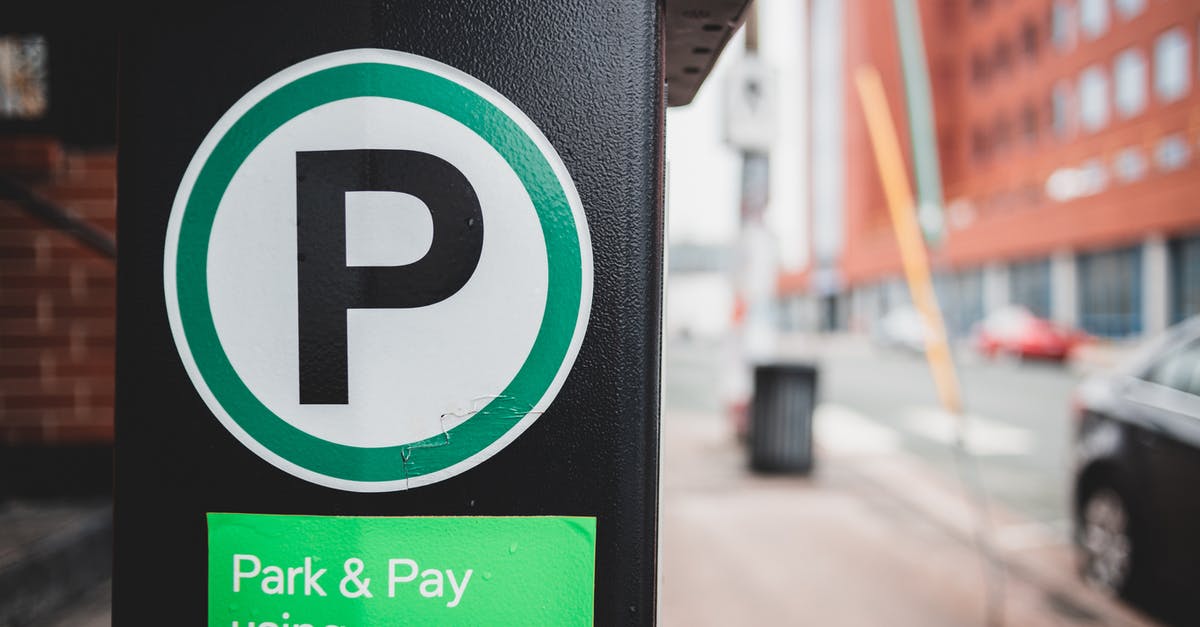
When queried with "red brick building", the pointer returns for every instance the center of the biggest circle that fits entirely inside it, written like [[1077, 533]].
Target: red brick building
[[1068, 133], [57, 261]]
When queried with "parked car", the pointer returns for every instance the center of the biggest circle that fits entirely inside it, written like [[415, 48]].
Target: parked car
[[1137, 477], [1016, 331], [901, 328]]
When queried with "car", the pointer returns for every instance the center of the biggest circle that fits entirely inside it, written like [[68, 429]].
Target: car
[[901, 328], [1017, 332], [1136, 501]]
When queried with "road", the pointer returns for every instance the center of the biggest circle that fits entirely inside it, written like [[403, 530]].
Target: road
[[1019, 413]]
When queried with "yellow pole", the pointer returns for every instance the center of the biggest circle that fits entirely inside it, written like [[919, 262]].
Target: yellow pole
[[908, 235]]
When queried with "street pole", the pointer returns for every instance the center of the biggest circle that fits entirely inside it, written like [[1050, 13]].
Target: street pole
[[389, 313]]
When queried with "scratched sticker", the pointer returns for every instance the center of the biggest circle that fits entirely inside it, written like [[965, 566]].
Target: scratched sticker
[[377, 271]]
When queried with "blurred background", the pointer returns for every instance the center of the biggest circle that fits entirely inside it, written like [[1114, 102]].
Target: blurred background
[[1051, 148]]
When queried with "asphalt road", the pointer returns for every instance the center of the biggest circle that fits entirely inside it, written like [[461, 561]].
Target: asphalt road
[[1019, 412]]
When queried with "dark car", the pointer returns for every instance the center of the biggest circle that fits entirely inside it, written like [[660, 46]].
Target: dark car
[[1137, 481]]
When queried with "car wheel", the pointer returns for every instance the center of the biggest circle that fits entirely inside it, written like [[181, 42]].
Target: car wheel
[[1106, 541]]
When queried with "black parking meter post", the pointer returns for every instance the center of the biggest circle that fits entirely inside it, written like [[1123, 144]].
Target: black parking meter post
[[588, 73]]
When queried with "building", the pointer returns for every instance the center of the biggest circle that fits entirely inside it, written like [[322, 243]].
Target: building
[[57, 268], [1068, 133]]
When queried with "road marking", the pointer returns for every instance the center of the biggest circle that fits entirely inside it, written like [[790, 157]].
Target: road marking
[[985, 437], [840, 429]]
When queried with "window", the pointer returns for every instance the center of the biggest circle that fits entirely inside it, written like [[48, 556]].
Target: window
[[24, 85], [1110, 292], [1093, 98], [1129, 9], [1179, 369], [1029, 285], [1062, 25], [1029, 39], [1129, 74], [1185, 278], [1130, 165], [1060, 102], [1171, 72], [1093, 17], [1172, 153]]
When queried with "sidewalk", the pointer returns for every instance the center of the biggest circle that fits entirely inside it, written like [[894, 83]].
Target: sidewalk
[[871, 538]]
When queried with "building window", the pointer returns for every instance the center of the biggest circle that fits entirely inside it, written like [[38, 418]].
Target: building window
[[1110, 292], [1172, 153], [1171, 73], [1062, 25], [1130, 9], [1129, 74], [24, 82], [1093, 17], [1093, 98], [961, 296], [1130, 165], [1029, 285], [1060, 108], [1185, 278], [1029, 39]]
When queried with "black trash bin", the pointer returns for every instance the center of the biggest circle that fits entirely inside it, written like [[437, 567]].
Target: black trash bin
[[781, 418]]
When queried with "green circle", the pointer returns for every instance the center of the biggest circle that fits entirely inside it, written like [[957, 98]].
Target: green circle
[[564, 261]]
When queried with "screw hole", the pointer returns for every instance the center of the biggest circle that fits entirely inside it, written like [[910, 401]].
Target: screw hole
[[691, 69], [712, 28], [701, 50]]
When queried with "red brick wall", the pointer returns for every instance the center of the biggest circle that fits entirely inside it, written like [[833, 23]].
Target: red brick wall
[[57, 301]]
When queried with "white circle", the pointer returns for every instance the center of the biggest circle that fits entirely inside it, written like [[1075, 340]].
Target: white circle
[[413, 373]]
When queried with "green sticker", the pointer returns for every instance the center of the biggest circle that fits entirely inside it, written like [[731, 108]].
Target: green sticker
[[321, 571]]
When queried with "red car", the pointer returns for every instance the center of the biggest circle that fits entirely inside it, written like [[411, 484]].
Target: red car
[[1018, 332]]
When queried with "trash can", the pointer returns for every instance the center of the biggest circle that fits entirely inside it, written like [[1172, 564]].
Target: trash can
[[781, 418]]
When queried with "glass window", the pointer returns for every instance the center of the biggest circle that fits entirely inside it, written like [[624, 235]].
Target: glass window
[[1171, 73], [1029, 39], [1060, 103], [1093, 17], [1029, 285], [1062, 25], [1172, 153], [24, 85], [1179, 369], [1130, 165], [1093, 98], [1185, 278], [1129, 74], [1110, 292], [1130, 8]]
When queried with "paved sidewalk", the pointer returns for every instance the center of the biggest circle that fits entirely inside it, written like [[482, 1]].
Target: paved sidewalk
[[870, 539]]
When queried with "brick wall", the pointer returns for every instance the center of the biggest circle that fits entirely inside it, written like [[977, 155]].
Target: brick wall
[[57, 300]]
